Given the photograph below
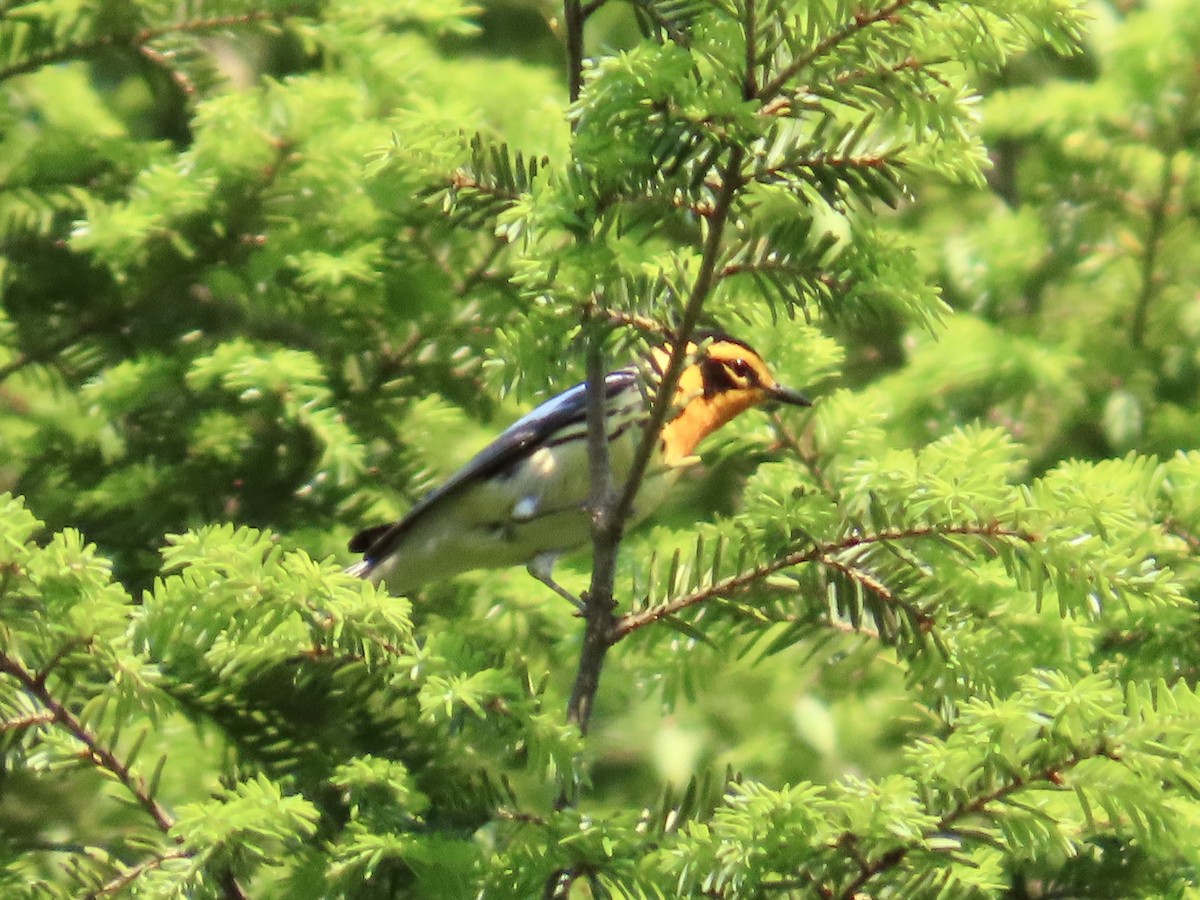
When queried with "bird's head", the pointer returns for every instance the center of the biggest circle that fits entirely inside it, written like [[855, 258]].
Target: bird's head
[[724, 378]]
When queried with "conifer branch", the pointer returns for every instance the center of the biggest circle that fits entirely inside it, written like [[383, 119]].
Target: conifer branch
[[138, 41], [908, 64], [131, 875], [1158, 213], [1052, 774], [644, 324], [631, 622], [750, 29], [732, 182], [33, 720], [103, 757], [762, 617], [672, 31], [844, 162], [861, 22], [99, 755], [1175, 527], [608, 523], [870, 583]]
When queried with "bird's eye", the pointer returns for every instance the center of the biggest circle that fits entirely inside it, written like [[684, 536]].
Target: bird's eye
[[743, 370]]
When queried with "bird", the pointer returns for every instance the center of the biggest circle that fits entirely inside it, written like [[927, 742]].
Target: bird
[[524, 498]]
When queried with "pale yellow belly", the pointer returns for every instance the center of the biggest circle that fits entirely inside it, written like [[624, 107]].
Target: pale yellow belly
[[538, 507]]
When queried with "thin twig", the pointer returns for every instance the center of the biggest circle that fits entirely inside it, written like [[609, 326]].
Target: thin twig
[[1154, 235], [750, 27], [131, 874], [98, 754], [644, 324], [732, 182], [1158, 210], [861, 22], [31, 721], [755, 614], [599, 608], [631, 622], [869, 582], [104, 758], [1173, 526], [138, 40], [1052, 774]]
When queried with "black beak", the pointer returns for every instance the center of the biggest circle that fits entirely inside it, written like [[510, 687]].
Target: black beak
[[780, 394]]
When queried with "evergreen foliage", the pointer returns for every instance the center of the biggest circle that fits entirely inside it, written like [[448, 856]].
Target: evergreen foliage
[[270, 270]]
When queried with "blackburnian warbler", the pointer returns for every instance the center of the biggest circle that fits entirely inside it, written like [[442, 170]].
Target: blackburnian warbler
[[524, 497]]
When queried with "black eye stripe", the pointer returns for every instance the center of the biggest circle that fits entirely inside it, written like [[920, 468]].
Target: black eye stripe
[[716, 377], [726, 375]]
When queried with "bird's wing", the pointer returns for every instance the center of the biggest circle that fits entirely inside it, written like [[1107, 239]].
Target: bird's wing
[[510, 446]]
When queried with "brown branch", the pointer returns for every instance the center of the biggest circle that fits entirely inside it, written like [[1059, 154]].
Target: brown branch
[[97, 754], [830, 160], [860, 23], [868, 581], [137, 41], [732, 181], [631, 622], [104, 758], [33, 720], [1176, 528], [1156, 230], [762, 617], [573, 18], [599, 608], [608, 520], [1052, 774], [130, 875], [785, 267], [750, 28], [908, 64], [480, 271], [809, 458], [644, 324]]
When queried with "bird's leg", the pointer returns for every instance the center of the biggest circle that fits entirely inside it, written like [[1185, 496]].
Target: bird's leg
[[540, 568]]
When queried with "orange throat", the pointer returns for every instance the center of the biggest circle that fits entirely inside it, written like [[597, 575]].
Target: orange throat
[[698, 419]]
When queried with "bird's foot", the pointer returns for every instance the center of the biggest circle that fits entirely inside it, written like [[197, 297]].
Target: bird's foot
[[540, 567]]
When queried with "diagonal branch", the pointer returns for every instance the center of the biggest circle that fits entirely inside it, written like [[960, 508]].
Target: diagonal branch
[[869, 582], [131, 874], [860, 22], [104, 758], [732, 181], [138, 41], [1051, 774], [98, 754], [631, 622]]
